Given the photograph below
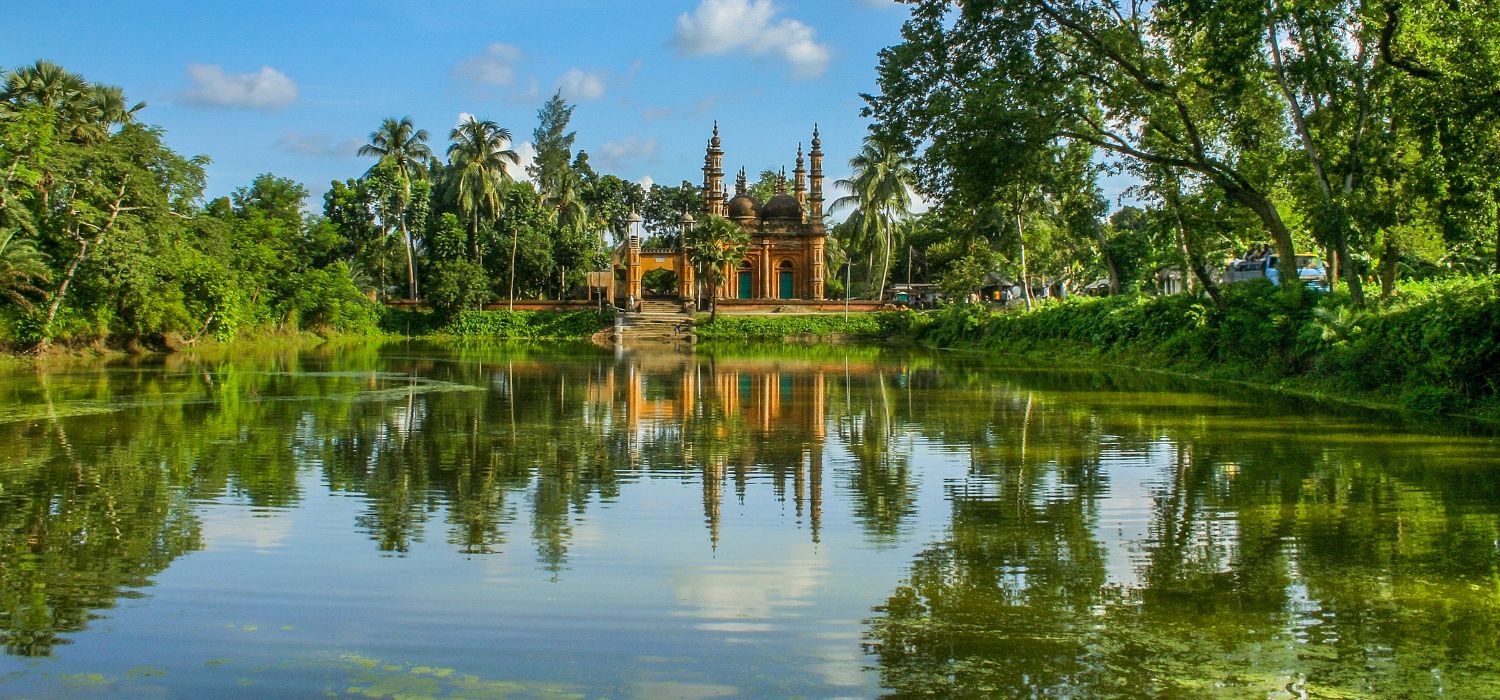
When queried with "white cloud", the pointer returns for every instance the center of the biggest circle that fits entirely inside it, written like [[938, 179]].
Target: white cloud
[[702, 106], [646, 182], [581, 86], [527, 153], [496, 66], [314, 144], [462, 117], [627, 151], [266, 89], [652, 114], [751, 26]]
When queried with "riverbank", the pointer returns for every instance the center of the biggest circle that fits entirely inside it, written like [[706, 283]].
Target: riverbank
[[1432, 348]]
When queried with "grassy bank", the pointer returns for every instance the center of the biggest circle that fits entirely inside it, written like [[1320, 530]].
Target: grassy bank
[[1434, 347], [517, 325], [779, 327]]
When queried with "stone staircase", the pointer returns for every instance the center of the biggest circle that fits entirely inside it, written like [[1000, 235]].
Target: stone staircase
[[656, 321]]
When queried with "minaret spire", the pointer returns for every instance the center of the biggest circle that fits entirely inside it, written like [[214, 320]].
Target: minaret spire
[[815, 196], [713, 175], [799, 184]]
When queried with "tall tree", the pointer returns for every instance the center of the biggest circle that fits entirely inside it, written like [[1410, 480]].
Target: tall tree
[[480, 158], [1147, 82], [553, 143], [402, 147], [880, 191]]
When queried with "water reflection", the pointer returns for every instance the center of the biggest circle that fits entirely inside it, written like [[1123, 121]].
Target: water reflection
[[1101, 534]]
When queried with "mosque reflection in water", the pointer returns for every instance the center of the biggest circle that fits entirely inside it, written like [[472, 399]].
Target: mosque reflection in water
[[728, 418]]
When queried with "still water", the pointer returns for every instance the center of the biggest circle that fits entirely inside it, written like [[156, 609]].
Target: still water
[[532, 521]]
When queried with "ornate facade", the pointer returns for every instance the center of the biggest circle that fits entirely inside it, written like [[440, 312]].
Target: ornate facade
[[785, 256]]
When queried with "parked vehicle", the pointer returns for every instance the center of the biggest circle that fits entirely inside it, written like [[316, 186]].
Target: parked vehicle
[[1310, 270], [917, 296]]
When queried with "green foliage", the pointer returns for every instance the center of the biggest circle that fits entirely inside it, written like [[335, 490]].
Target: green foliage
[[326, 299], [456, 285], [530, 325], [1434, 347], [775, 327]]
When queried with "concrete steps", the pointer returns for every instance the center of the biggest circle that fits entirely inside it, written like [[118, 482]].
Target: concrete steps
[[656, 321]]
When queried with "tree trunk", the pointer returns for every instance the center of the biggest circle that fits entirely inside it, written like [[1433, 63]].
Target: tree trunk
[[62, 288], [1333, 268], [411, 263], [713, 300], [1109, 260], [1194, 260], [1346, 263], [1390, 258], [83, 252], [1021, 237], [511, 299], [885, 265], [1187, 258], [1281, 237]]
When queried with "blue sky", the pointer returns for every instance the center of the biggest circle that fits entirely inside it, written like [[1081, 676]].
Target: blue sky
[[294, 88]]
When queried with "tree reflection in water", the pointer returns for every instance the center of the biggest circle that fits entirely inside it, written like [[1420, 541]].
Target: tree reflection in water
[[1268, 554], [1275, 561]]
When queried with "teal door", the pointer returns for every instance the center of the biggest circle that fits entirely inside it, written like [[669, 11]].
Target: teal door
[[745, 291], [786, 285]]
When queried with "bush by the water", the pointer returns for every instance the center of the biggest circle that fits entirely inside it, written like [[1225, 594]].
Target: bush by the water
[[535, 325], [735, 327], [1435, 346]]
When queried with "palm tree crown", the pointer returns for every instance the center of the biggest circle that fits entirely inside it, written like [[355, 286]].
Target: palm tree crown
[[880, 192], [398, 141], [480, 156]]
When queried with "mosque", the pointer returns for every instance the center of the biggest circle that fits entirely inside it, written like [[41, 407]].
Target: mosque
[[785, 256]]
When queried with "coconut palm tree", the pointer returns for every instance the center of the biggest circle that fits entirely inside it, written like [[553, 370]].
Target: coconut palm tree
[[714, 246], [880, 192], [404, 147], [85, 112], [478, 156]]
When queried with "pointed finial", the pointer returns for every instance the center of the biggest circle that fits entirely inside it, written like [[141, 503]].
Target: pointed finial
[[714, 142]]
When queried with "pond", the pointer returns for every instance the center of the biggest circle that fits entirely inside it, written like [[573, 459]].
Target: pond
[[410, 519]]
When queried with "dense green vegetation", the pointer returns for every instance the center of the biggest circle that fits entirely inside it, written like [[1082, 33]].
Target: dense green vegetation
[[106, 236], [519, 325], [1364, 130], [1435, 347], [775, 327]]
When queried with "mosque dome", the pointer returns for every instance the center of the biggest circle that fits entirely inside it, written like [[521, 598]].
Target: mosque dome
[[743, 206], [782, 206]]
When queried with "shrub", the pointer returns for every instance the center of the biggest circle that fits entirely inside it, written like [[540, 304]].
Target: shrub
[[737, 327], [1434, 347]]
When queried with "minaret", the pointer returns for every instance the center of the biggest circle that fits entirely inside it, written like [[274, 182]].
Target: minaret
[[815, 197], [799, 184], [781, 181], [741, 186], [815, 242], [713, 176]]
